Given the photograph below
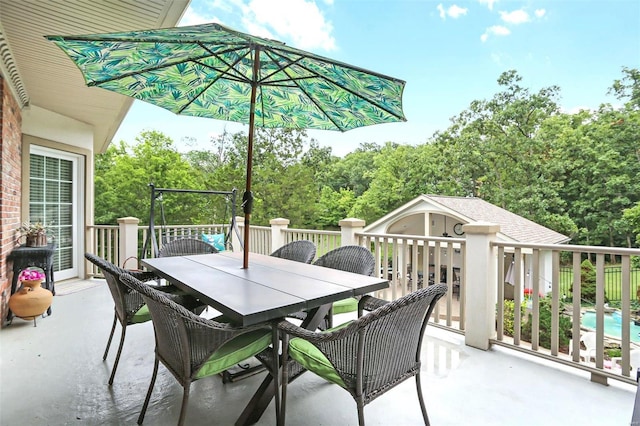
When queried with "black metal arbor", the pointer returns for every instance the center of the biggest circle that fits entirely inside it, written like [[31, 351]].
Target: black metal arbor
[[150, 246]]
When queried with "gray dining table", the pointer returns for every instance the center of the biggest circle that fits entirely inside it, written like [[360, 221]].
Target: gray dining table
[[268, 289]]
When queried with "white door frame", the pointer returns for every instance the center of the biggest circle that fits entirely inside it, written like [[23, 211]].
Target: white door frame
[[77, 219]]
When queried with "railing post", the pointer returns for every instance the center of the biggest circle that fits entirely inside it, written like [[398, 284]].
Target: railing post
[[128, 241], [237, 247], [481, 284], [348, 228], [278, 225]]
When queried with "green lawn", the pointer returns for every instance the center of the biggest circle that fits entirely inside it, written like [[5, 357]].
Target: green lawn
[[613, 285]]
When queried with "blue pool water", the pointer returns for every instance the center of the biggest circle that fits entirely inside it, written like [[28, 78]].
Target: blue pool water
[[612, 325]]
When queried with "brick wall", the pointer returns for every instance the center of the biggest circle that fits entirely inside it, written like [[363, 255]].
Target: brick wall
[[10, 185]]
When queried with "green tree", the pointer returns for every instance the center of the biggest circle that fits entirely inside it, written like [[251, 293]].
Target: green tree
[[354, 171], [492, 151], [123, 175], [333, 207], [388, 189], [632, 218]]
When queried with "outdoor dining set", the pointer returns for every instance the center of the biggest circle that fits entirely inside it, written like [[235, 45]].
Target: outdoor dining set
[[280, 310]]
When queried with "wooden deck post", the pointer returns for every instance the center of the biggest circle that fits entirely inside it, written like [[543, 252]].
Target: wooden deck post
[[481, 288]]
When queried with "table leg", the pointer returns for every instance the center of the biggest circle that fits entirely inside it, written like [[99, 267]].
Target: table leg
[[265, 393]]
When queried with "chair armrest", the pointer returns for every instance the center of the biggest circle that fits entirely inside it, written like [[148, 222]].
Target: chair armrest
[[144, 276], [313, 336], [369, 303]]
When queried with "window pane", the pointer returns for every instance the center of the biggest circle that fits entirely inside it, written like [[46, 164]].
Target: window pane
[[64, 260], [52, 191], [37, 166], [36, 213], [66, 195], [36, 191], [51, 202], [52, 168], [66, 171]]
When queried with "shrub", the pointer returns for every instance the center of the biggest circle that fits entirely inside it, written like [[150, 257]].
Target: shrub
[[545, 326], [613, 353], [508, 316], [588, 282]]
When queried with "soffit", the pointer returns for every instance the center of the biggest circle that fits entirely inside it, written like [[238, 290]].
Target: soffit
[[50, 80]]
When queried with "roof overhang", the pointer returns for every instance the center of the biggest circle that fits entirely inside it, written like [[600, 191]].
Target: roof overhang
[[39, 74]]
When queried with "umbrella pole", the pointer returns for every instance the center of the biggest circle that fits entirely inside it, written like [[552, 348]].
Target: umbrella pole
[[247, 198]]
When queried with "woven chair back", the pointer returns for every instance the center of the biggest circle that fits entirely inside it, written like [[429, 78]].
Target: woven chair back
[[301, 251], [186, 247], [385, 344], [356, 259], [184, 341]]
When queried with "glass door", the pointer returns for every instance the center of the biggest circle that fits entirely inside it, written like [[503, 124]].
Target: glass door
[[54, 201]]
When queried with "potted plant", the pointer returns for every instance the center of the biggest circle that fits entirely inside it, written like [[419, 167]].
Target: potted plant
[[35, 234], [31, 300]]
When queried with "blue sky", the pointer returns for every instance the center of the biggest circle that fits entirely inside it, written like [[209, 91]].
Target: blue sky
[[450, 53]]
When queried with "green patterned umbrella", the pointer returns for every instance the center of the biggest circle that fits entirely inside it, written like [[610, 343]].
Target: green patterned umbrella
[[212, 71]]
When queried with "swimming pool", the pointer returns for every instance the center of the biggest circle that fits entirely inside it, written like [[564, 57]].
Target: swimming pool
[[612, 325]]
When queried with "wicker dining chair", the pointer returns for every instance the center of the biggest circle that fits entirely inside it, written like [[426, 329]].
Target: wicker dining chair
[[301, 251], [369, 356], [192, 347], [129, 308], [356, 259], [186, 247]]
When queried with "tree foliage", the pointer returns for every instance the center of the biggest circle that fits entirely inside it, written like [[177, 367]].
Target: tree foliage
[[574, 173]]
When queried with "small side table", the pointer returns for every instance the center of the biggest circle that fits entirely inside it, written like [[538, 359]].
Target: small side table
[[40, 257]]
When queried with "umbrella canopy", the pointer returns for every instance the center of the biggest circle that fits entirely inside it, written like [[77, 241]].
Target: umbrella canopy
[[212, 71]]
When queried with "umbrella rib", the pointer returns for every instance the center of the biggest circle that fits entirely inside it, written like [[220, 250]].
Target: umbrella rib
[[237, 76], [356, 94], [174, 63], [290, 63], [222, 73], [295, 81], [310, 55]]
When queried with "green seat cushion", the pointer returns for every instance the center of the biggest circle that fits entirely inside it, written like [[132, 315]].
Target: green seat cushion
[[143, 315], [236, 350], [311, 358], [345, 305]]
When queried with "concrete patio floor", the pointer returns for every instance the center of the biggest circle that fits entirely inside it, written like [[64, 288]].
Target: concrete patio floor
[[53, 374]]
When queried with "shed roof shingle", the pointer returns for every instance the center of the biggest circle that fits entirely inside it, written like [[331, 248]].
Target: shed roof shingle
[[511, 225]]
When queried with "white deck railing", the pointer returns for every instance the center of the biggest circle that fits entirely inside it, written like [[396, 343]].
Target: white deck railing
[[475, 269], [539, 265]]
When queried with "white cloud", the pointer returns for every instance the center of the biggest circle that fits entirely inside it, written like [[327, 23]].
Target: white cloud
[[299, 21], [454, 11], [496, 30], [190, 17], [540, 13], [515, 17], [489, 3]]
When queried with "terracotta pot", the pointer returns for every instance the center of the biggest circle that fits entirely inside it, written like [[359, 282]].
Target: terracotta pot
[[31, 300], [31, 283]]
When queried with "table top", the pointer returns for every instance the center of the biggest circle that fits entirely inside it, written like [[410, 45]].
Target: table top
[[269, 288], [23, 250]]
